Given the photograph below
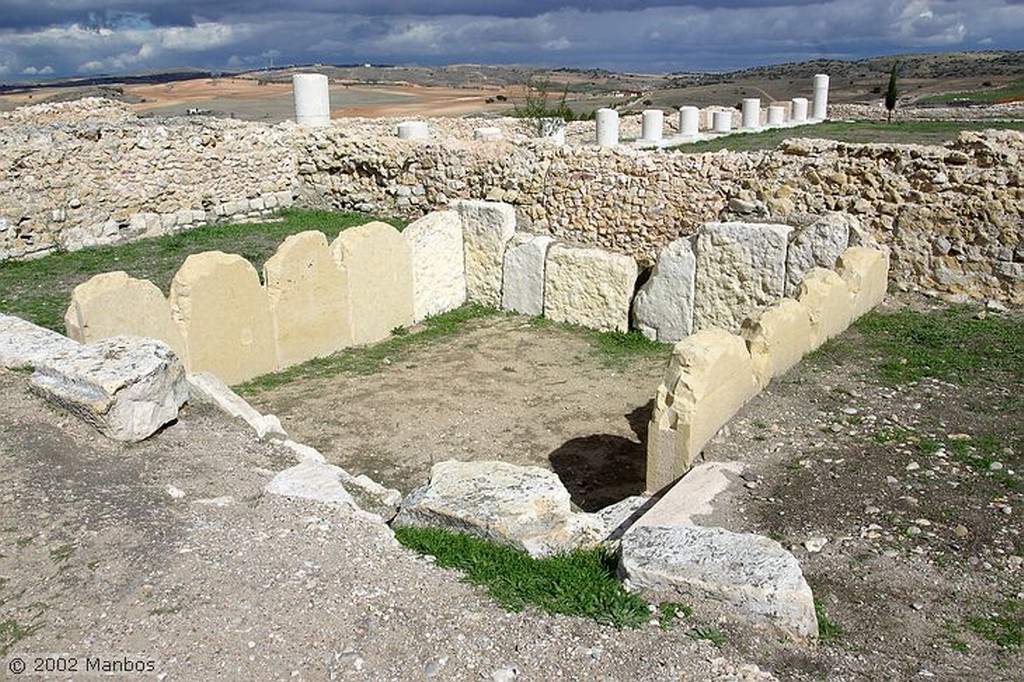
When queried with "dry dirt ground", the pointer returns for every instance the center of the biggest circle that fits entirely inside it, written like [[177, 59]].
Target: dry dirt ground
[[921, 550]]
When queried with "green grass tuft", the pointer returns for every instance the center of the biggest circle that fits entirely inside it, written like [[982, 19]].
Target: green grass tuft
[[580, 583], [11, 632], [1003, 627], [828, 629]]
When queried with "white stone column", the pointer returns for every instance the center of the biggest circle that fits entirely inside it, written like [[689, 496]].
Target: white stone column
[[709, 119], [751, 113], [413, 130], [723, 122], [776, 115], [820, 112], [607, 127], [689, 121], [312, 99], [800, 110], [653, 123]]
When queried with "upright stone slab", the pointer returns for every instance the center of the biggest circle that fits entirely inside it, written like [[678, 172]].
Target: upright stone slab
[[752, 576], [437, 251], [866, 273], [817, 245], [522, 289], [589, 287], [829, 302], [113, 304], [378, 265], [308, 295], [663, 308], [224, 317], [709, 377], [778, 339], [741, 269], [487, 227]]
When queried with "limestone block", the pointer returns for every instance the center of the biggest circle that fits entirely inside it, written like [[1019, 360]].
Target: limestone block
[[523, 506], [522, 287], [741, 269], [589, 287], [778, 339], [308, 296], [816, 245], [224, 316], [691, 496], [23, 344], [113, 304], [376, 259], [709, 377], [663, 308], [866, 273], [329, 483], [207, 388], [752, 576], [487, 227], [829, 302], [438, 263], [127, 387]]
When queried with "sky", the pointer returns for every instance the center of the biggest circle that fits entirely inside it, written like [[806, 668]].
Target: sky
[[49, 38]]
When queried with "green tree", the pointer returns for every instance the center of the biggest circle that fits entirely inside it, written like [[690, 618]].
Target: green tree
[[892, 93]]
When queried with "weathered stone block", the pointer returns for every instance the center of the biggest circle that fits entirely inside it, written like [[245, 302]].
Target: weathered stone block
[[751, 575], [23, 344], [487, 226], [126, 387], [308, 295], [692, 496], [522, 287], [778, 339], [224, 316], [522, 506], [828, 302], [663, 308], [866, 273], [207, 388], [741, 269], [329, 483], [379, 269], [438, 263], [709, 377], [816, 245], [589, 287], [115, 304]]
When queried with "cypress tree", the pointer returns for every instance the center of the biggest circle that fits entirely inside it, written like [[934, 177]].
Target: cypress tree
[[892, 92]]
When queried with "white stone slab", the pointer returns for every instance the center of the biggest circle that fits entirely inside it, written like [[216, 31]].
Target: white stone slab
[[816, 245], [589, 287], [437, 251], [522, 288], [487, 227], [663, 308]]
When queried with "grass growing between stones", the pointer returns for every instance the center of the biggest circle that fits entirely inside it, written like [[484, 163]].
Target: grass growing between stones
[[828, 629], [580, 583], [899, 132], [40, 290], [1004, 626]]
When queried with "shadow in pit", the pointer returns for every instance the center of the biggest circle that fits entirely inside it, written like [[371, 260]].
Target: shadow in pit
[[602, 469]]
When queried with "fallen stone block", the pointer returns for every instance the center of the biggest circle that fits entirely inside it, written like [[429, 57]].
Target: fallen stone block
[[522, 288], [589, 287], [323, 482], [741, 270], [751, 576], [114, 304], [487, 227], [691, 496], [208, 388], [817, 245], [866, 273], [663, 308], [829, 303], [618, 518], [438, 263], [778, 339], [23, 344], [523, 506], [709, 378], [126, 387]]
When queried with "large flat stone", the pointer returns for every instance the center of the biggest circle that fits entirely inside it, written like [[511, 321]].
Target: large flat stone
[[663, 308], [114, 304], [752, 576], [377, 261], [224, 316], [127, 387], [691, 496], [778, 339], [522, 288], [522, 506], [23, 344], [207, 388], [438, 263], [589, 287], [741, 269], [329, 483], [308, 296], [487, 227], [817, 245]]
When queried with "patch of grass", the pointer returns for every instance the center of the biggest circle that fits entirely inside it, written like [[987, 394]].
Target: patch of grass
[[948, 344], [24, 540], [980, 452], [62, 554], [363, 360], [40, 290], [669, 612], [898, 132], [1004, 626], [1010, 92], [579, 583], [165, 610], [11, 632], [617, 349], [710, 634], [828, 629], [951, 635]]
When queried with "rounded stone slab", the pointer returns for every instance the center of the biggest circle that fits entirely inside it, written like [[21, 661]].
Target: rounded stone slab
[[752, 575]]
